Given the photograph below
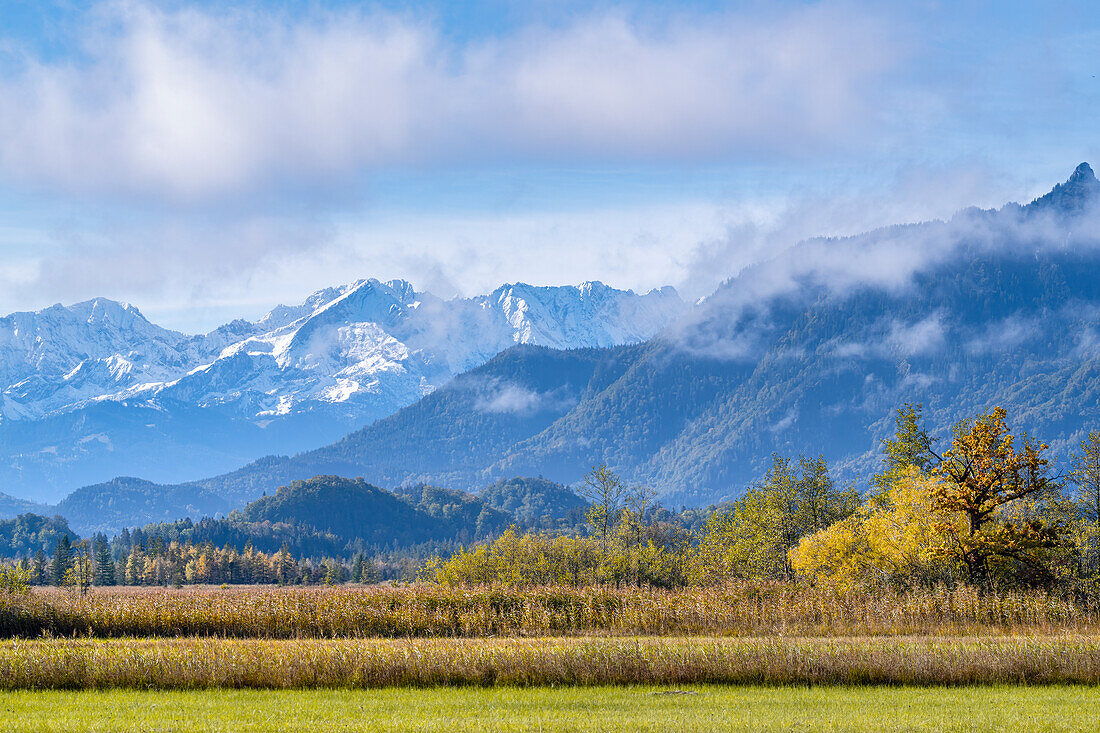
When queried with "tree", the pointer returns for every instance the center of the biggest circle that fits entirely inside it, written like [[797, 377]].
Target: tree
[[334, 573], [754, 539], [40, 569], [988, 481], [104, 565], [62, 560], [14, 579], [357, 567], [893, 539], [633, 519], [135, 566], [1085, 475], [484, 525], [605, 491], [911, 447]]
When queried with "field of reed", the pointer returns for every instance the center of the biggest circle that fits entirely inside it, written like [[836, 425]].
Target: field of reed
[[748, 609], [372, 663]]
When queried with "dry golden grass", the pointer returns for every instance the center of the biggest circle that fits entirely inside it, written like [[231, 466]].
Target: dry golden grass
[[347, 663], [748, 609]]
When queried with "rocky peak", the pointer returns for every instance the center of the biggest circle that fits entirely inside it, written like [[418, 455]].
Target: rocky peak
[[1072, 197]]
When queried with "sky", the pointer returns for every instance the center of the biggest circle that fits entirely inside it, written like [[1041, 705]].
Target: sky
[[208, 160]]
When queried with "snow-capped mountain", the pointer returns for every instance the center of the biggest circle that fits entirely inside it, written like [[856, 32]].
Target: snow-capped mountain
[[369, 346], [62, 356], [344, 357]]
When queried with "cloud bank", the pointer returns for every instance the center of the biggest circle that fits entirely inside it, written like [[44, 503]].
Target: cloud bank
[[192, 104]]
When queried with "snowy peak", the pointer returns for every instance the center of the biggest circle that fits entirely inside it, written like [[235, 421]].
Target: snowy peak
[[589, 314], [361, 293], [368, 347]]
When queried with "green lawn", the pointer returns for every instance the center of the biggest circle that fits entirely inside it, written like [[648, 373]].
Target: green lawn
[[584, 709]]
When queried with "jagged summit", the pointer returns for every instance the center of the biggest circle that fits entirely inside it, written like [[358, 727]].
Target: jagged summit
[[83, 386], [1083, 172], [371, 346], [1080, 191]]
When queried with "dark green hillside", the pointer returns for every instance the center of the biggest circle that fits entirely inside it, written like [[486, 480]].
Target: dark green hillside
[[264, 475], [467, 518], [535, 502], [449, 436], [327, 516], [28, 534], [348, 508]]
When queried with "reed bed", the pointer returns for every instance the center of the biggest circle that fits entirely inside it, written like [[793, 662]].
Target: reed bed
[[374, 663], [750, 609]]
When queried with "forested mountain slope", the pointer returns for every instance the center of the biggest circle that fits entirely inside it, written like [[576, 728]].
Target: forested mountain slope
[[808, 352]]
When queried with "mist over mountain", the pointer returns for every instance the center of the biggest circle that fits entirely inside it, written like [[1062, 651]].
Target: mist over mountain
[[810, 352], [95, 390]]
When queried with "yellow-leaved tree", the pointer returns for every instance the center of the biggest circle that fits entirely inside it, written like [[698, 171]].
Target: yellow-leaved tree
[[1000, 487], [894, 539]]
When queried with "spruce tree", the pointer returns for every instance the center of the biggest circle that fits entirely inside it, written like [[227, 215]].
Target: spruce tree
[[62, 560], [39, 569], [911, 447], [104, 565], [357, 567]]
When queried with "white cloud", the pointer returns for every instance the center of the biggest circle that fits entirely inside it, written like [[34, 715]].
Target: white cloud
[[508, 398], [178, 116], [497, 396], [193, 274], [1005, 335], [192, 104], [920, 337], [893, 339]]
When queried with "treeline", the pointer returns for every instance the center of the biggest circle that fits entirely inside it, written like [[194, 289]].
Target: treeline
[[990, 510], [328, 525], [83, 564], [629, 540]]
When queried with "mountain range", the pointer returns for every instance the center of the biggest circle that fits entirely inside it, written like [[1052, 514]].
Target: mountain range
[[92, 390], [807, 352]]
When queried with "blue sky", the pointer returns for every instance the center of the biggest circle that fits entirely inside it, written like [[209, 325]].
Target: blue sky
[[206, 160]]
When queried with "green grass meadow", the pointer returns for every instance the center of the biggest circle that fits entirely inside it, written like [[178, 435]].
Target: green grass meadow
[[693, 708]]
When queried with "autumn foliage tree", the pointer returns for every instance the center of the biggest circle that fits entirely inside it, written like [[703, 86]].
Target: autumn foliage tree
[[987, 478], [894, 540]]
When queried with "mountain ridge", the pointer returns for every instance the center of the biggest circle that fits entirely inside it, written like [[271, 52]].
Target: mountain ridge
[[1000, 310], [301, 375], [796, 354]]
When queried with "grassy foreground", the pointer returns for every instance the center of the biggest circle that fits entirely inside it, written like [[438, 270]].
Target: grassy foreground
[[562, 709], [378, 663]]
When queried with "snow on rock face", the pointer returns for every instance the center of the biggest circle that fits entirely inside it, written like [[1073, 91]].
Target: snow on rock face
[[368, 348], [60, 355]]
